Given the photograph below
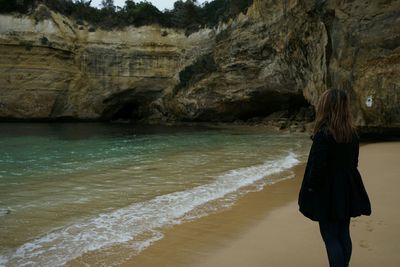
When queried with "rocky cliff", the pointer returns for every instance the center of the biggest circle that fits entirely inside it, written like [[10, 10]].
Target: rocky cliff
[[55, 68], [276, 59]]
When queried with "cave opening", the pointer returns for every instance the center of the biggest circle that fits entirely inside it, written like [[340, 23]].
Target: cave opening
[[263, 104], [126, 111], [132, 105]]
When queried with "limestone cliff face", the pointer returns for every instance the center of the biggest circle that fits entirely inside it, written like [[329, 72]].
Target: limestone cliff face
[[258, 66], [57, 69], [282, 51], [281, 55], [364, 57]]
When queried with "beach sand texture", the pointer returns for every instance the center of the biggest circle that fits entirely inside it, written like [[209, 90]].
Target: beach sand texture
[[265, 228]]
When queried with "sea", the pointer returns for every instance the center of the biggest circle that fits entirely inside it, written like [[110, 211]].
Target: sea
[[67, 189]]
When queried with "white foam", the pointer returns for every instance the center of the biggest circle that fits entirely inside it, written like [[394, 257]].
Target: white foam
[[129, 223], [3, 261]]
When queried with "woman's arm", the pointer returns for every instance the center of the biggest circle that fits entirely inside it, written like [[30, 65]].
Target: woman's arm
[[319, 160], [357, 153]]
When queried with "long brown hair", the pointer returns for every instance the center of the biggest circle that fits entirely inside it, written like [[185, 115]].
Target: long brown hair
[[333, 111]]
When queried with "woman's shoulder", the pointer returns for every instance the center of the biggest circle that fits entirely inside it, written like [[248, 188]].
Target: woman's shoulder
[[321, 133], [325, 134]]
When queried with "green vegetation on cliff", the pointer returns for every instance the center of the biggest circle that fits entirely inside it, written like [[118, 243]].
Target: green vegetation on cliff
[[186, 14]]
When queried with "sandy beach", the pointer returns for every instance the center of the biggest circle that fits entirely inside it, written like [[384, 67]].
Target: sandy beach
[[264, 228]]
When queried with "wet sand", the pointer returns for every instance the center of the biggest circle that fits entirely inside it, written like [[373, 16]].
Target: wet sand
[[265, 228]]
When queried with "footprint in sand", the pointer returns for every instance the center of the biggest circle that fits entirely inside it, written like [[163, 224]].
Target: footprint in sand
[[364, 244], [369, 226]]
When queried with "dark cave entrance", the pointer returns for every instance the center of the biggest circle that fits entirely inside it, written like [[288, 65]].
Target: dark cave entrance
[[263, 104], [131, 105], [126, 111]]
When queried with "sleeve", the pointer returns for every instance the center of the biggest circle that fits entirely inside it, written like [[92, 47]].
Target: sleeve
[[319, 160], [356, 154]]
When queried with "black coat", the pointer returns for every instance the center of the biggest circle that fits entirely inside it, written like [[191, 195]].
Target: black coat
[[332, 187]]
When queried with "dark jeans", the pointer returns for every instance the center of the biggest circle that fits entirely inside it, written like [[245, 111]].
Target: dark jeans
[[336, 236]]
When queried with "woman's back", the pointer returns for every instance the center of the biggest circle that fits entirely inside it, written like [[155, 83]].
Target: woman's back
[[332, 187], [344, 155]]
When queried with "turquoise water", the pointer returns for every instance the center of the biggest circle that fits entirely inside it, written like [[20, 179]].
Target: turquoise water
[[70, 188]]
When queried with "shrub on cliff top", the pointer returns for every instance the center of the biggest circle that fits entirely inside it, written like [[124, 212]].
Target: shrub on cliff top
[[21, 6], [42, 13], [186, 14]]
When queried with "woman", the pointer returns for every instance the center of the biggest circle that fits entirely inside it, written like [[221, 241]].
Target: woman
[[332, 190]]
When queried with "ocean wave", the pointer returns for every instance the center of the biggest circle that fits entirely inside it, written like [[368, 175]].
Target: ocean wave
[[130, 223]]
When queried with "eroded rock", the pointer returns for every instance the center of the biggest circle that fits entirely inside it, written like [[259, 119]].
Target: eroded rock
[[279, 56]]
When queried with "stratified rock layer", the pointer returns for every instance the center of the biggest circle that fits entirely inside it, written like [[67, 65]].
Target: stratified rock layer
[[50, 69], [281, 55]]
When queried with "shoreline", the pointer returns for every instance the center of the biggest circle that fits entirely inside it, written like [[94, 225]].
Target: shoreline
[[367, 133], [262, 228], [185, 244]]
